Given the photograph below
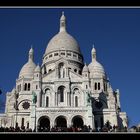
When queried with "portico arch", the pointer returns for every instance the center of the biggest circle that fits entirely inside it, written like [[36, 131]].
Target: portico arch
[[44, 123], [77, 121], [61, 121]]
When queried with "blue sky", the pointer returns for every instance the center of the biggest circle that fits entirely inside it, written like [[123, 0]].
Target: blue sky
[[115, 32]]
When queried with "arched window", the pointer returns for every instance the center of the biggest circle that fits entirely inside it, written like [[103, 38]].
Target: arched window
[[80, 72], [76, 91], [27, 124], [45, 70], [50, 55], [75, 70], [25, 86], [76, 101], [61, 93], [20, 87], [29, 86], [47, 91], [36, 86], [47, 101], [98, 86], [86, 86], [56, 54], [22, 122], [95, 86], [62, 96]]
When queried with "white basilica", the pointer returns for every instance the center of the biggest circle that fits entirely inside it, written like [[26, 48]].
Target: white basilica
[[63, 91]]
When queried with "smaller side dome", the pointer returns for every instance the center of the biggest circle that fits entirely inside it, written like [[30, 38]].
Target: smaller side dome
[[95, 68], [28, 69], [85, 68]]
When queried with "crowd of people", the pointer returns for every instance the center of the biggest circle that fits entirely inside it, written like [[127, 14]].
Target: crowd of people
[[63, 129]]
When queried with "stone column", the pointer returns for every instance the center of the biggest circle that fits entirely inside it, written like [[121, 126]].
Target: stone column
[[56, 72], [69, 122], [55, 98], [69, 98], [51, 123], [67, 72], [72, 100], [22, 86]]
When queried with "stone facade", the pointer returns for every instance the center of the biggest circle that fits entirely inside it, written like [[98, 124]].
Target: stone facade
[[63, 91]]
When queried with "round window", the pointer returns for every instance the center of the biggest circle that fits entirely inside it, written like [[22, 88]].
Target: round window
[[26, 105]]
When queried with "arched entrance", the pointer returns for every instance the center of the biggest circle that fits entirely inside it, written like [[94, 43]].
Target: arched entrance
[[44, 124], [61, 121], [77, 121]]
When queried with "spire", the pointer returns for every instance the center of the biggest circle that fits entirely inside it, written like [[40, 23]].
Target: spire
[[85, 68], [31, 54], [63, 23], [93, 53]]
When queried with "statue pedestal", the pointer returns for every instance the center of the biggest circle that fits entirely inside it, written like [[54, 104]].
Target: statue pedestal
[[90, 121], [33, 117]]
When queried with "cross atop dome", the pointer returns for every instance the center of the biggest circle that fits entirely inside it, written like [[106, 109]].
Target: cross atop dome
[[31, 54], [63, 23], [31, 50], [93, 48], [93, 53], [62, 12]]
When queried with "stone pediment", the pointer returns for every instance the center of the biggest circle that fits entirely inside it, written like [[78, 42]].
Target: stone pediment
[[49, 76], [75, 77]]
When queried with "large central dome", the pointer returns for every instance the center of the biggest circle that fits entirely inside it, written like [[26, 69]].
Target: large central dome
[[62, 40]]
